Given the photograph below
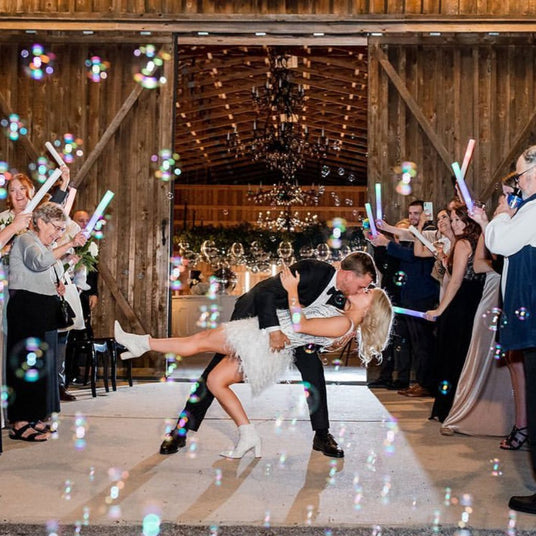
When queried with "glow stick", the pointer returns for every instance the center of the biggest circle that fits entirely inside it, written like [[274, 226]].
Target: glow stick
[[463, 187], [55, 154], [370, 216], [99, 211], [70, 200], [36, 199], [422, 238], [411, 312], [467, 157], [379, 211]]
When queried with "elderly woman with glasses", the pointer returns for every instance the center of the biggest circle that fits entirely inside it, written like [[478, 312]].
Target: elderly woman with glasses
[[32, 316], [512, 233], [247, 348]]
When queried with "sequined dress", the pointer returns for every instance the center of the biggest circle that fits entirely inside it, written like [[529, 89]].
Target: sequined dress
[[251, 345]]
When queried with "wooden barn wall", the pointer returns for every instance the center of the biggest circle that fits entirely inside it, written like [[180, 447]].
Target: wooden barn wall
[[439, 97], [171, 8], [134, 253]]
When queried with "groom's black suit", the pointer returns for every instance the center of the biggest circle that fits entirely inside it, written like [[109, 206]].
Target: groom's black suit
[[262, 301]]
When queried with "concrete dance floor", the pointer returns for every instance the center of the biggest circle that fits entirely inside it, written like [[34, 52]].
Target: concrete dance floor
[[103, 473]]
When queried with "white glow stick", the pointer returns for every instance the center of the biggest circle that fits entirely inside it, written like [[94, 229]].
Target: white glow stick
[[370, 216], [55, 154], [422, 238], [379, 211], [411, 312], [463, 187], [36, 199], [99, 211], [467, 157], [70, 200]]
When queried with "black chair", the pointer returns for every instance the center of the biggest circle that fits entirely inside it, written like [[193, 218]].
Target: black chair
[[108, 349]]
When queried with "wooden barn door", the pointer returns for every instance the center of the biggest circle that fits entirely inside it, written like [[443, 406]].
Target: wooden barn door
[[429, 95], [121, 124]]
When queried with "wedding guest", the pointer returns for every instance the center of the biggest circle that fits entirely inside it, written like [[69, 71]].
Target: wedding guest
[[32, 315], [395, 357], [419, 291], [456, 310], [248, 353], [483, 404], [512, 233], [87, 281], [320, 283]]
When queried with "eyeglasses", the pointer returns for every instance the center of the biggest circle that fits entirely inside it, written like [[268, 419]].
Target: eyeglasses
[[58, 228], [516, 176]]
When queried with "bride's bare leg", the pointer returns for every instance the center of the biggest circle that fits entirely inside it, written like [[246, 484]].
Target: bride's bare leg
[[209, 340], [224, 374]]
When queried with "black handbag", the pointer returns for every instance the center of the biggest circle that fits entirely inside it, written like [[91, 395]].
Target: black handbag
[[65, 313]]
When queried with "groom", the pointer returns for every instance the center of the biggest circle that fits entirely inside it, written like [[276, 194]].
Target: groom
[[320, 283]]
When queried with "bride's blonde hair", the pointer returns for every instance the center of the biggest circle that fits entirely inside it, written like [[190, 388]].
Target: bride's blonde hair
[[373, 332]]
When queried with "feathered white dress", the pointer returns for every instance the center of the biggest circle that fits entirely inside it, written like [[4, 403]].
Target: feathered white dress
[[260, 366]]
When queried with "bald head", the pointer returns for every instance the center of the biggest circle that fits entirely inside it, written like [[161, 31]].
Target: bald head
[[82, 218]]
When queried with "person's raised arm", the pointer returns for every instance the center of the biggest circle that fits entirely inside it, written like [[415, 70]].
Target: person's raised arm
[[482, 261], [403, 234], [335, 326], [19, 223], [462, 252]]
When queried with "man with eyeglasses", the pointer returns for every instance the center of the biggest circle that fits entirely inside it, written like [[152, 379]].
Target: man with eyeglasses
[[320, 283], [512, 233]]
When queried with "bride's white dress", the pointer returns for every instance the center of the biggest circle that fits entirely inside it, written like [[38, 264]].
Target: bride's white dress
[[262, 367]]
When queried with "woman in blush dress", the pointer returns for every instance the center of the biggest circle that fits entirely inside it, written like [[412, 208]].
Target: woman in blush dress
[[456, 310]]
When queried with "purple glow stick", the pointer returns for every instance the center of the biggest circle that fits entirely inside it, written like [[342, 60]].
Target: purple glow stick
[[411, 312], [372, 223], [463, 187]]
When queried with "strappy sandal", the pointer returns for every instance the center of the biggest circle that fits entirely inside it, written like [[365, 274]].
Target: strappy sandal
[[17, 434], [515, 439], [43, 427]]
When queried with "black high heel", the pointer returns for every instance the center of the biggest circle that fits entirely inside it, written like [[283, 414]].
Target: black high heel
[[515, 439]]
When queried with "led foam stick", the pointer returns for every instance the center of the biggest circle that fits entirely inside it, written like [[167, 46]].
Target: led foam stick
[[99, 211], [36, 199], [422, 238], [410, 312], [463, 187], [370, 216], [55, 154], [467, 157], [70, 200], [379, 211]]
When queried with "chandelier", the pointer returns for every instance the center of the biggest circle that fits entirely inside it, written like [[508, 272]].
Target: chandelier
[[286, 194], [279, 140], [286, 220]]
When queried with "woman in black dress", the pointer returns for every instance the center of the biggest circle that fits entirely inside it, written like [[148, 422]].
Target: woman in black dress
[[457, 310]]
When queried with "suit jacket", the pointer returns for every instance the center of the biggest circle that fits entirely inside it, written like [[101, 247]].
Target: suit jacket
[[269, 295]]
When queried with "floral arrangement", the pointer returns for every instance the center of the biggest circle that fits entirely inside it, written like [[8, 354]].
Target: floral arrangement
[[88, 254]]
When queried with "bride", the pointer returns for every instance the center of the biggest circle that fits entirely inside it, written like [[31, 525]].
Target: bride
[[368, 316]]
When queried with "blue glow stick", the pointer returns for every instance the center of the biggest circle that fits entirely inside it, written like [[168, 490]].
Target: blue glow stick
[[379, 211], [411, 312], [463, 187], [372, 223], [99, 211]]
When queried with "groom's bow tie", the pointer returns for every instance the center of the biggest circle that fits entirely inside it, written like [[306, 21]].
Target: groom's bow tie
[[336, 298]]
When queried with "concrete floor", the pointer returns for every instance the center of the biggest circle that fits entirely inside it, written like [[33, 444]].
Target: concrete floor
[[102, 474]]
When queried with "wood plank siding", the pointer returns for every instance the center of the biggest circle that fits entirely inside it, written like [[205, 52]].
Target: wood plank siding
[[428, 99], [134, 253]]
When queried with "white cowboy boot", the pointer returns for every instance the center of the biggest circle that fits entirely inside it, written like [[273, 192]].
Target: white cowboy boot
[[248, 439], [135, 344]]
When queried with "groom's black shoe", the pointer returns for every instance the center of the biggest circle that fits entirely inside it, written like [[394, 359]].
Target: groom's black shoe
[[522, 503], [326, 444], [172, 443]]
